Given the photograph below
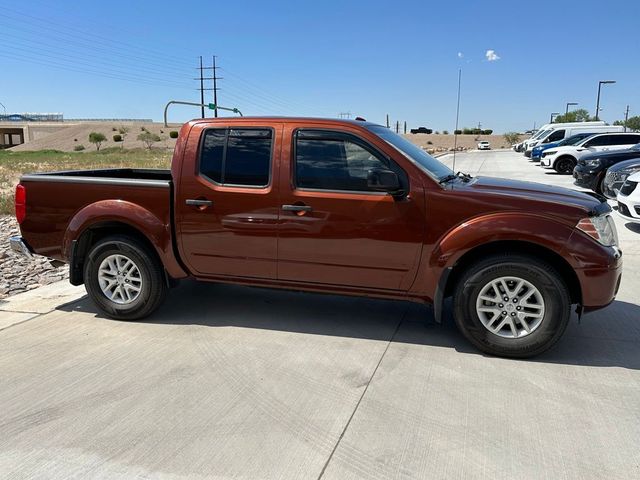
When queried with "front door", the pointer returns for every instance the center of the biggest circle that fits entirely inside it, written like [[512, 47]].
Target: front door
[[227, 207], [334, 229]]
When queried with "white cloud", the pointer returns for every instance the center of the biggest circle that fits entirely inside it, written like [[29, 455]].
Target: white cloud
[[492, 56], [460, 54]]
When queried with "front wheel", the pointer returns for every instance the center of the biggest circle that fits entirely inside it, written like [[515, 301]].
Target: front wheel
[[512, 305], [565, 164], [124, 278]]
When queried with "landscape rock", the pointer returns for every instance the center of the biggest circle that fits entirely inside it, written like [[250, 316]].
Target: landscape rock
[[19, 274]]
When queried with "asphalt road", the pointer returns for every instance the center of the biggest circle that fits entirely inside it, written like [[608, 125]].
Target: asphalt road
[[234, 382]]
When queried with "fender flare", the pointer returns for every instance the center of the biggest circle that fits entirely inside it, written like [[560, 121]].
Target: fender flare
[[157, 232], [487, 230]]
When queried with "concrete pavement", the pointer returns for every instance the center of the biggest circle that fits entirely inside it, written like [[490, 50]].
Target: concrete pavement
[[234, 382]]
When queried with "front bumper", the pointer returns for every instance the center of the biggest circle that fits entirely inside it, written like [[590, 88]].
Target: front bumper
[[600, 284], [585, 178], [629, 207], [546, 162], [18, 245]]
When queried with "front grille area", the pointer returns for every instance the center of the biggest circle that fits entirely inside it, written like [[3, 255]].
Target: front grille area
[[622, 208], [628, 187]]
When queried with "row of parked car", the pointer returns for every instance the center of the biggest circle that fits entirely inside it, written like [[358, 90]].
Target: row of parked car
[[603, 158]]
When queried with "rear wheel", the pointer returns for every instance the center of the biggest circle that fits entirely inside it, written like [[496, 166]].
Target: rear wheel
[[565, 164], [124, 279], [512, 305]]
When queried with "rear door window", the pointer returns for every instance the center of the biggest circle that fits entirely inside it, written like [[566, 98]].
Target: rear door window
[[237, 156]]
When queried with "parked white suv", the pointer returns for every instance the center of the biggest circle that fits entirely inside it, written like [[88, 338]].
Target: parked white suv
[[564, 159], [484, 145], [629, 199]]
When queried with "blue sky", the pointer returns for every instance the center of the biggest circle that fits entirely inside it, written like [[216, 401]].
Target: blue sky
[[370, 58]]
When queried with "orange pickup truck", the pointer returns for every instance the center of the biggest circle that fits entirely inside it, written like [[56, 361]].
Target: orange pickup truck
[[332, 206]]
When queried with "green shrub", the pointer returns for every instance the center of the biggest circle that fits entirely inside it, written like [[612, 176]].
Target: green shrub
[[457, 132], [429, 142], [173, 134], [467, 131], [445, 132], [117, 138], [97, 139], [477, 131], [487, 132], [78, 148], [149, 139]]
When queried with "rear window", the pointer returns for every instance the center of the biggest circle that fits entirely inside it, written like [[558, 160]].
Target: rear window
[[625, 139], [237, 156]]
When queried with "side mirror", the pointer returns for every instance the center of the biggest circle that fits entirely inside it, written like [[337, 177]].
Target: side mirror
[[383, 180]]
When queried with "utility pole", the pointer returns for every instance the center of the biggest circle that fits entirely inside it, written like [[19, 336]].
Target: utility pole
[[387, 120], [626, 118], [215, 84], [345, 115], [405, 127], [215, 88], [397, 126], [201, 89]]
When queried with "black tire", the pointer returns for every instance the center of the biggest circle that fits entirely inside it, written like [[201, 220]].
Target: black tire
[[153, 287], [542, 276], [565, 164]]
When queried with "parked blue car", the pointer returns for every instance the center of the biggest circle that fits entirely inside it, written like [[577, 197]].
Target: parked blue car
[[536, 153]]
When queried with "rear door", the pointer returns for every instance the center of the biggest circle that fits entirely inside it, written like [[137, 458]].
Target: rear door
[[227, 206], [334, 230]]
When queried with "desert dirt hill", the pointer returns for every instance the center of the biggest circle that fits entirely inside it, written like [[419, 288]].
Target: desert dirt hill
[[78, 134]]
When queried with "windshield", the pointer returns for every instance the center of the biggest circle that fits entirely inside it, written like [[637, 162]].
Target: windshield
[[574, 139], [421, 158], [540, 134]]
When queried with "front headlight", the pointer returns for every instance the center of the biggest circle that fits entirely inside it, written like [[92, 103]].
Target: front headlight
[[593, 163], [600, 228]]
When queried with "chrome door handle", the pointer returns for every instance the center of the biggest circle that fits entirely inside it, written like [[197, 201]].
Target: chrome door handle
[[296, 208], [198, 203]]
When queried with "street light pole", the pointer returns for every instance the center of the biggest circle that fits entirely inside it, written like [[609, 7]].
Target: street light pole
[[569, 103], [600, 83], [553, 115], [4, 108]]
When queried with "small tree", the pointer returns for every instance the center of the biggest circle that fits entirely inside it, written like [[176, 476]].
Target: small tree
[[117, 138], [580, 115], [512, 137], [487, 132], [97, 138], [445, 132], [123, 131], [173, 134], [457, 132], [149, 139], [633, 123]]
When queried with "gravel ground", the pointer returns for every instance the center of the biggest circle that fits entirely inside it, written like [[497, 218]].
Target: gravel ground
[[19, 274]]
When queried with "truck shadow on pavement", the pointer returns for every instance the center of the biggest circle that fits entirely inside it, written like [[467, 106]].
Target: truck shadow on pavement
[[607, 338]]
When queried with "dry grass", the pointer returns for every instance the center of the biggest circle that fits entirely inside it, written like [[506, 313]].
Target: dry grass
[[14, 164]]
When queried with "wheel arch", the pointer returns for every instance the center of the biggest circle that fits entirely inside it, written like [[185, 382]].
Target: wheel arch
[[563, 267], [564, 155], [94, 233]]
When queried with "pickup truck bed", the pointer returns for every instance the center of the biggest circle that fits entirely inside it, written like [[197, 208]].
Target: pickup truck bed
[[143, 196]]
